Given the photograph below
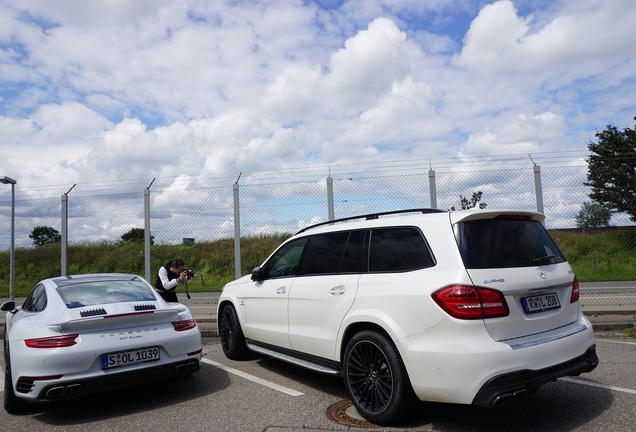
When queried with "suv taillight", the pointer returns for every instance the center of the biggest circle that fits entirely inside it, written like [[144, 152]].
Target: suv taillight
[[469, 302], [574, 297]]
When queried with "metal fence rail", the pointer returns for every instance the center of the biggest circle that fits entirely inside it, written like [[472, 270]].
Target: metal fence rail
[[226, 209]]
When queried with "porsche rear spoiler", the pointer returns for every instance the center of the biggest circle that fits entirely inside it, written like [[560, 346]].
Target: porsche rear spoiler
[[120, 320]]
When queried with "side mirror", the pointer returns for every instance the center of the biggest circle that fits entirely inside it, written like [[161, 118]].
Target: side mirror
[[8, 306], [256, 274]]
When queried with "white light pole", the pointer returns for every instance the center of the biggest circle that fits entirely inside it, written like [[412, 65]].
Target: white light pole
[[9, 180]]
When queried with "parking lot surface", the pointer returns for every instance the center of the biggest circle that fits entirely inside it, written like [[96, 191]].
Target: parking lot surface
[[261, 394]]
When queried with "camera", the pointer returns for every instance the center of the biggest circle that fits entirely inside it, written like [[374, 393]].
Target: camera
[[189, 273]]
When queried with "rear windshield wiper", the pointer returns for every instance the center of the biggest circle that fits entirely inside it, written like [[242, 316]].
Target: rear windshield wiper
[[544, 260]]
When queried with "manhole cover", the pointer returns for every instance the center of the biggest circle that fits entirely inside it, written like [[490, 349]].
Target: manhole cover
[[344, 413]]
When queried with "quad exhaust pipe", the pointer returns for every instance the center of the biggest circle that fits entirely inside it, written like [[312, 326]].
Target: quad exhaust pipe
[[505, 398], [63, 390], [190, 366]]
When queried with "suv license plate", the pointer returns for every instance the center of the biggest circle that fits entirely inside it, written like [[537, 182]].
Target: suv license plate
[[541, 303], [128, 358]]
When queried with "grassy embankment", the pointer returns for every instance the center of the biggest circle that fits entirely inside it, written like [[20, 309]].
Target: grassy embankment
[[595, 256]]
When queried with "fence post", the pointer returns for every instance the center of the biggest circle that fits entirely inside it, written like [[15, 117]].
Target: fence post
[[147, 236], [537, 187], [237, 229], [432, 188], [330, 198], [64, 239]]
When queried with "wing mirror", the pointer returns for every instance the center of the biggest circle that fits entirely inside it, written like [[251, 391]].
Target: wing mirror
[[8, 306], [257, 274]]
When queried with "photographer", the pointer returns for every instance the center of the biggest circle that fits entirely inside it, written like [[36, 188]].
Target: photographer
[[170, 275]]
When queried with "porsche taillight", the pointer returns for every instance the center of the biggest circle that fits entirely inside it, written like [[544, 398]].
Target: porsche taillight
[[574, 297], [184, 325], [469, 302], [52, 342]]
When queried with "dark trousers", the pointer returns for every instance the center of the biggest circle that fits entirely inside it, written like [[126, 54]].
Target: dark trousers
[[169, 296]]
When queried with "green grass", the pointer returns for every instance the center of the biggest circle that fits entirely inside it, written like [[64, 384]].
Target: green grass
[[212, 262], [603, 255], [599, 255]]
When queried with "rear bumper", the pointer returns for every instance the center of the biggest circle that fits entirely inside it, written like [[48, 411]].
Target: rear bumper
[[513, 385], [68, 389]]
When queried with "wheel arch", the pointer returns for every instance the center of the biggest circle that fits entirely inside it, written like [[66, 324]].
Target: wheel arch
[[228, 302], [355, 328]]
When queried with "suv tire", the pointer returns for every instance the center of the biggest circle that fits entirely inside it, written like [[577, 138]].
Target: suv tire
[[376, 378], [232, 339]]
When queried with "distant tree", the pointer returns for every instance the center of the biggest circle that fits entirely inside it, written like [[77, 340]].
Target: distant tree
[[593, 215], [611, 170], [136, 235], [473, 202], [42, 235]]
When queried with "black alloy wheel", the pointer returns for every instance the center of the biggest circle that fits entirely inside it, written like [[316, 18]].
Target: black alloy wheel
[[376, 378], [232, 339]]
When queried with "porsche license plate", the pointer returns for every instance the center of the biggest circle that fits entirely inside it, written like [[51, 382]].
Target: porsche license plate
[[127, 358], [541, 303]]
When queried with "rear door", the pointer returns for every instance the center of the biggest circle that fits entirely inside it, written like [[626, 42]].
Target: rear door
[[513, 253]]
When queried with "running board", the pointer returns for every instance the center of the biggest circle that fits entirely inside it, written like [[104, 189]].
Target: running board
[[304, 363]]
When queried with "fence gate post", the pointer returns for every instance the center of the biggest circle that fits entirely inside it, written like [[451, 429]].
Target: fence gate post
[[537, 188], [237, 229], [64, 234], [431, 187], [147, 236], [330, 198], [64, 253]]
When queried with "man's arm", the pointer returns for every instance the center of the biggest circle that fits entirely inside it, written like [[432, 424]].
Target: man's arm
[[167, 283]]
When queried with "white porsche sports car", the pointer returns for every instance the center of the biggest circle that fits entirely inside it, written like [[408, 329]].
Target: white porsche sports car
[[76, 335]]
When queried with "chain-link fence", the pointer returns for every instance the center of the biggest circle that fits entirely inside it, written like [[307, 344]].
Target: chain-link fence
[[202, 224]]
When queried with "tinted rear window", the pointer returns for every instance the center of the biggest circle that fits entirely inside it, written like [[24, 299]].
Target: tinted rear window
[[505, 243], [332, 253], [96, 293], [398, 249]]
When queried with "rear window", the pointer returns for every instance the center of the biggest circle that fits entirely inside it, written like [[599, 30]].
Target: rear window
[[97, 293], [398, 249], [333, 253], [505, 243]]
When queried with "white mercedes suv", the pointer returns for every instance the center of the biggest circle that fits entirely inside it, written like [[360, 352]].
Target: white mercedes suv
[[472, 307]]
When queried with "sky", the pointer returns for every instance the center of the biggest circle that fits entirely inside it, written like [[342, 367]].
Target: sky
[[119, 92]]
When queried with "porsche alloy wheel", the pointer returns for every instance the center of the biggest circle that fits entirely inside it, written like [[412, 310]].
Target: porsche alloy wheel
[[12, 404]]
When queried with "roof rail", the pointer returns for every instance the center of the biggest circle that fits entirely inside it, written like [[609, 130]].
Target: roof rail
[[372, 216]]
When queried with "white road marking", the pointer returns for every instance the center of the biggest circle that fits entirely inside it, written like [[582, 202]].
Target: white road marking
[[603, 386], [227, 369], [616, 341], [252, 378]]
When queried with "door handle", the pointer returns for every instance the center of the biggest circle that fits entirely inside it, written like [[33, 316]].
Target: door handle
[[339, 290], [281, 290]]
